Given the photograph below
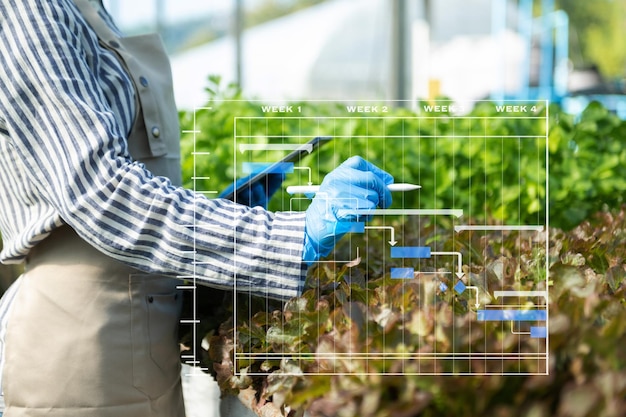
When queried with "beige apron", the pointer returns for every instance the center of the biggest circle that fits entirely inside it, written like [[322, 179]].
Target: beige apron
[[90, 336]]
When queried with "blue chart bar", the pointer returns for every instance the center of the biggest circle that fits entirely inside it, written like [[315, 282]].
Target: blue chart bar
[[514, 315], [416, 252], [402, 273], [538, 332], [356, 227], [273, 168]]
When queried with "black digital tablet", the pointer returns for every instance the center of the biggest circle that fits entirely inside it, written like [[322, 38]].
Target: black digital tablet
[[294, 156]]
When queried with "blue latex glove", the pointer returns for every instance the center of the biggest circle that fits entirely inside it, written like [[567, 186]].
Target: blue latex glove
[[258, 193], [354, 185]]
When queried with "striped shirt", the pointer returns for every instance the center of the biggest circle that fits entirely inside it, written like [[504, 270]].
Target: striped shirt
[[66, 106]]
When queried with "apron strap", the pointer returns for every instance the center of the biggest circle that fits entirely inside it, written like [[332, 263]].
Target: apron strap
[[155, 135], [106, 35], [90, 13]]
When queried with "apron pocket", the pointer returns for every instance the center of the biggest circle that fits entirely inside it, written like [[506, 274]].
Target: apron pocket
[[155, 311]]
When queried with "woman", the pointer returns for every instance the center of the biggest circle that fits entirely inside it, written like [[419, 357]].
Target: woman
[[91, 202]]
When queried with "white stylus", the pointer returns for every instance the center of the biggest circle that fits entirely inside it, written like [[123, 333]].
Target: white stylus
[[312, 189]]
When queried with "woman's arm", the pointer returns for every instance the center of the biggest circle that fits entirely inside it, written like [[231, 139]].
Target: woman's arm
[[73, 149]]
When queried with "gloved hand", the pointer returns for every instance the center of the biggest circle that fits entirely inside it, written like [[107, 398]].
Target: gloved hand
[[354, 185], [258, 193]]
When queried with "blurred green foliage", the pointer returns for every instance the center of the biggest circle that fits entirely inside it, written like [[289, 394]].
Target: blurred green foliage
[[597, 34], [506, 178], [587, 165]]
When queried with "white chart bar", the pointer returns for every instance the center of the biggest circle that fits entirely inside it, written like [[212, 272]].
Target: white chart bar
[[533, 228], [520, 294], [274, 147], [407, 212]]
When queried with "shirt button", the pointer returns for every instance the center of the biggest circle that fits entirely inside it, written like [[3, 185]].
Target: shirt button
[[156, 132], [143, 81], [114, 44]]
